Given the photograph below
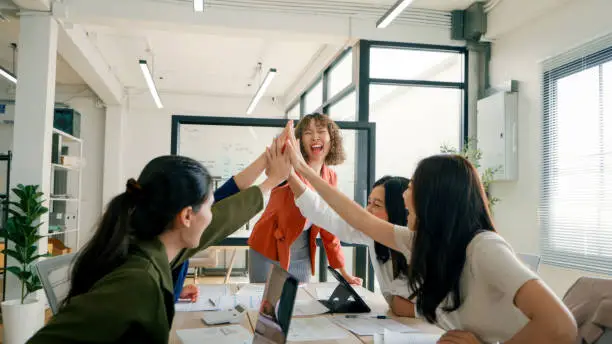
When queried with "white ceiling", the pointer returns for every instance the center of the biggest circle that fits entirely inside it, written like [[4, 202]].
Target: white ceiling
[[198, 63], [9, 33], [440, 5]]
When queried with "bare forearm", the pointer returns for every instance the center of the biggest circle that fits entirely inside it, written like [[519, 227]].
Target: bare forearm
[[296, 185], [544, 332], [247, 177], [402, 307], [350, 211]]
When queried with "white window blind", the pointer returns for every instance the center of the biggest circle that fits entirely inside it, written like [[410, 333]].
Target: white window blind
[[576, 191]]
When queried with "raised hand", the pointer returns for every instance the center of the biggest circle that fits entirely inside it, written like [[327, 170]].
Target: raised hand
[[293, 150], [278, 164]]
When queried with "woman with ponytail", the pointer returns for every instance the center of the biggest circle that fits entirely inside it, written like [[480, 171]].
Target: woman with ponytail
[[121, 286]]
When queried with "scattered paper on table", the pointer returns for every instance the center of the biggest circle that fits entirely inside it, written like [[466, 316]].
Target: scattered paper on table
[[367, 325], [251, 289], [207, 292], [220, 335], [314, 329], [309, 307], [323, 293], [391, 337], [230, 301]]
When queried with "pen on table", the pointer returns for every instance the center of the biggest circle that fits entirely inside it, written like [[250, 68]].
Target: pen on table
[[212, 302], [354, 316]]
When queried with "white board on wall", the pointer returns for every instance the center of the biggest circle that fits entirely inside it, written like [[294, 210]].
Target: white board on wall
[[225, 150]]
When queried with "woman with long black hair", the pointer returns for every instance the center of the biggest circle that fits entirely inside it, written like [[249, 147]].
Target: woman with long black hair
[[121, 285], [386, 203], [465, 277]]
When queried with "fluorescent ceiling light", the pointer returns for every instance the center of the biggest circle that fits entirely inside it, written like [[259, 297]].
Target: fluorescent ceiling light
[[261, 90], [149, 78], [8, 75], [198, 5], [392, 13]]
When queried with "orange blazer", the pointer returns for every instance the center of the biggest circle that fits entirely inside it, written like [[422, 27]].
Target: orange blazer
[[282, 222]]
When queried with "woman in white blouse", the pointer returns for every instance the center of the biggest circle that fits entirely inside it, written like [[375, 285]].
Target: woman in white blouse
[[465, 277], [386, 203]]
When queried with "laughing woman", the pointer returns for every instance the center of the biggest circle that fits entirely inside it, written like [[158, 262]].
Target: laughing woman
[[465, 276], [282, 235]]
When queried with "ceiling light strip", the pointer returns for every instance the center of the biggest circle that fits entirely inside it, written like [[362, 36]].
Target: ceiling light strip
[[8, 75], [261, 90], [393, 13], [198, 5], [149, 79]]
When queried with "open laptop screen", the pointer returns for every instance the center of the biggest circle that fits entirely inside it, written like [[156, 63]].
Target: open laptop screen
[[276, 307]]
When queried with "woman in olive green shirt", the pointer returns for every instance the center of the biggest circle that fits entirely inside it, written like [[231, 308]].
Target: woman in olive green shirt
[[121, 285]]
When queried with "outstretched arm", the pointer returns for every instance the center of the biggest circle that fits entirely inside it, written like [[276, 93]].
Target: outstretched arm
[[350, 211], [247, 177]]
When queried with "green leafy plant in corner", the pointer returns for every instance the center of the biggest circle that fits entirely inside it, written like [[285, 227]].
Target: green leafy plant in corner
[[22, 230], [473, 154]]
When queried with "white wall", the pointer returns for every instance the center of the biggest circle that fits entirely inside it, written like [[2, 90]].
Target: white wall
[[516, 55], [82, 100]]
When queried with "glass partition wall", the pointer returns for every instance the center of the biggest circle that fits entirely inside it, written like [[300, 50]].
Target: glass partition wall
[[415, 97]]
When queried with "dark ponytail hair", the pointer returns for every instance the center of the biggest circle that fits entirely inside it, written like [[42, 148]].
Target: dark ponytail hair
[[145, 210], [398, 215], [451, 208]]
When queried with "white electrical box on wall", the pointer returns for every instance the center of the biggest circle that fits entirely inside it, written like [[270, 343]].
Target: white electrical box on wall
[[497, 134]]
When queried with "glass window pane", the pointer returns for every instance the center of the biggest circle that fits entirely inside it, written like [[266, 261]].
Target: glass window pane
[[340, 76], [412, 123], [408, 64], [314, 98], [345, 109], [294, 112]]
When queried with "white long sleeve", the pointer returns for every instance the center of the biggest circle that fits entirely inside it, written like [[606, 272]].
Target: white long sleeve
[[315, 209]]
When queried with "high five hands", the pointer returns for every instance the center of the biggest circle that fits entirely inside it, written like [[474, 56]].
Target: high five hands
[[278, 164], [284, 155]]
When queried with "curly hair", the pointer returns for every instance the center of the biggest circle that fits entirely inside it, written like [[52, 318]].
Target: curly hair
[[336, 155]]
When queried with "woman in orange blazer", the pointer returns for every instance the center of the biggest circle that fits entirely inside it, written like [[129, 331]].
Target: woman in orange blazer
[[282, 235]]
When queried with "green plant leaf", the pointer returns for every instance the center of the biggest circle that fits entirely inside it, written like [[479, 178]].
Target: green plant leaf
[[18, 256], [15, 271], [22, 230]]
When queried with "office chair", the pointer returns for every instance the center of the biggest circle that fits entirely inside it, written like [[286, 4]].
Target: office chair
[[589, 300], [532, 261], [54, 274]]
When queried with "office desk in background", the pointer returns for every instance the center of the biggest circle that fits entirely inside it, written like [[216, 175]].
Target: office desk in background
[[188, 320]]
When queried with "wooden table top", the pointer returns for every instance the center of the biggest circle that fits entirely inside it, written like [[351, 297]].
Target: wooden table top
[[190, 320]]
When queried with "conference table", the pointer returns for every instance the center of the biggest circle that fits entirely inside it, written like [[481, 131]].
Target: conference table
[[378, 305]]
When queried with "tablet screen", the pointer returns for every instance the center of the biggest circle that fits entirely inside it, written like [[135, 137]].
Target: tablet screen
[[276, 307]]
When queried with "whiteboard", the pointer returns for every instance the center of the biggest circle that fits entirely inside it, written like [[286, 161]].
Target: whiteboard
[[225, 150]]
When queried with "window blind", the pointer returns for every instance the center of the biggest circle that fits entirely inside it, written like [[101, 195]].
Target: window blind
[[576, 185]]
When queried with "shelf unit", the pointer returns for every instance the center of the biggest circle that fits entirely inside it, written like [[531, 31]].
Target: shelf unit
[[65, 194]]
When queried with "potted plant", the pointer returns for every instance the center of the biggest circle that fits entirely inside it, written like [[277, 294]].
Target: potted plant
[[24, 316], [473, 154]]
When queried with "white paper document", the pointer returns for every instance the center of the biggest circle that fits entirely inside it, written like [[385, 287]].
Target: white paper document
[[207, 292], [308, 307], [230, 301], [314, 329], [323, 293], [251, 289], [232, 334], [367, 325], [391, 337]]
